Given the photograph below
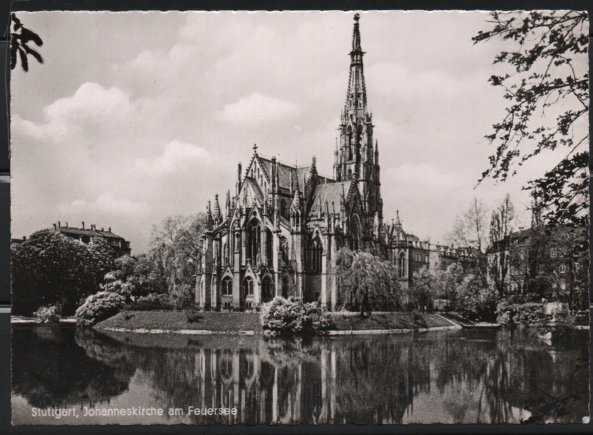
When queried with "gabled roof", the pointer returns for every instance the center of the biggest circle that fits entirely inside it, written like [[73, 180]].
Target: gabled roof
[[286, 172], [328, 193]]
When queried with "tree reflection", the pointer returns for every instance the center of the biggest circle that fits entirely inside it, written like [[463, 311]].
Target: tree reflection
[[469, 376]]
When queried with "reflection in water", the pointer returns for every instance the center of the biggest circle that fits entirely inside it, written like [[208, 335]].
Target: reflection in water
[[448, 377]]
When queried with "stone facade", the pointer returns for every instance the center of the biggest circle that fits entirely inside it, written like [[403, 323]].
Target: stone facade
[[280, 230]]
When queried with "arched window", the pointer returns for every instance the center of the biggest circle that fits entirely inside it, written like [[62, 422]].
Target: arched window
[[248, 286], [349, 143], [225, 254], [355, 233], [269, 247], [314, 254], [285, 284], [284, 209], [253, 241], [267, 293], [402, 265], [227, 286]]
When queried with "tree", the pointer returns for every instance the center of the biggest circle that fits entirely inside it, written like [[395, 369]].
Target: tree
[[423, 289], [50, 268], [175, 247], [20, 38], [548, 95], [471, 230], [501, 226], [363, 277]]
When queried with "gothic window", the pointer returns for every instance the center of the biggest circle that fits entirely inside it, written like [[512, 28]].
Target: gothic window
[[269, 247], [349, 143], [283, 209], [248, 286], [267, 293], [225, 254], [314, 254], [355, 233], [227, 286], [253, 241], [402, 265]]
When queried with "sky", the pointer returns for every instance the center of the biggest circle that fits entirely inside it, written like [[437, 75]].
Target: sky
[[137, 116]]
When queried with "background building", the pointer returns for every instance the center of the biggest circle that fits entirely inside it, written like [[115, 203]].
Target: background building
[[119, 245]]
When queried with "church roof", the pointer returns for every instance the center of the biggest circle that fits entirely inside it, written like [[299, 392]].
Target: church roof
[[287, 172], [254, 191], [328, 193]]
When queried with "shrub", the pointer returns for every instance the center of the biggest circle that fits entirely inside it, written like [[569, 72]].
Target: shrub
[[48, 314], [528, 314], [153, 301], [193, 315], [292, 317], [99, 306], [181, 296]]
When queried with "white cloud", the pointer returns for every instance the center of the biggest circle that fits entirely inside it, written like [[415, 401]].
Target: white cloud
[[175, 156], [89, 110], [258, 108]]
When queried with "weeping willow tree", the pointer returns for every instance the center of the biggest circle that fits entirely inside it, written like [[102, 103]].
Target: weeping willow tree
[[364, 278]]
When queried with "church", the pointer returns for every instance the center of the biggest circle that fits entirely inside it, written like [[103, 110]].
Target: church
[[279, 233]]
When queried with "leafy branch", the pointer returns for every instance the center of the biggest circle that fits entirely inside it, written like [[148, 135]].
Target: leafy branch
[[20, 40]]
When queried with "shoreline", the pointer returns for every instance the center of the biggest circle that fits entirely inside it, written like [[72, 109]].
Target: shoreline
[[247, 324], [331, 332]]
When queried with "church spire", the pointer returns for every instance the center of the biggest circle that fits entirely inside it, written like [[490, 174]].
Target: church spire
[[356, 99]]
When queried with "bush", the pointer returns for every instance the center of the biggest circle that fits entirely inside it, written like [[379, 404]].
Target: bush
[[193, 315], [99, 306], [48, 314], [293, 317], [153, 301], [528, 314]]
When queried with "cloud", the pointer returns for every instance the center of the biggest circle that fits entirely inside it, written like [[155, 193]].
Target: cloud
[[257, 108], [105, 204], [87, 111], [176, 155]]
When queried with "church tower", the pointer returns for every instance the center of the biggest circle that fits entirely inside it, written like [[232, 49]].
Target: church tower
[[356, 158]]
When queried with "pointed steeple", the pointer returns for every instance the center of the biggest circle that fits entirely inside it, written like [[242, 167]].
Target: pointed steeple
[[209, 220], [217, 213], [356, 99], [376, 152], [227, 205]]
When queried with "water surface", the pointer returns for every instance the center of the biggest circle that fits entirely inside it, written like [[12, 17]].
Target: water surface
[[441, 377]]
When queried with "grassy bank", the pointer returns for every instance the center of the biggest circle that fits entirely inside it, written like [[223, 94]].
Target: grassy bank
[[176, 320], [234, 322], [388, 321]]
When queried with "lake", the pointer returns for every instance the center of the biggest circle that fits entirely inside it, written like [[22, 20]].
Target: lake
[[467, 376]]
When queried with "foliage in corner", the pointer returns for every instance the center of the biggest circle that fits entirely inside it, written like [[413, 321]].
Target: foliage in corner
[[547, 90], [20, 40]]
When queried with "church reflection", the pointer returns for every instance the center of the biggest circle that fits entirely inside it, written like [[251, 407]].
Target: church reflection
[[451, 378]]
